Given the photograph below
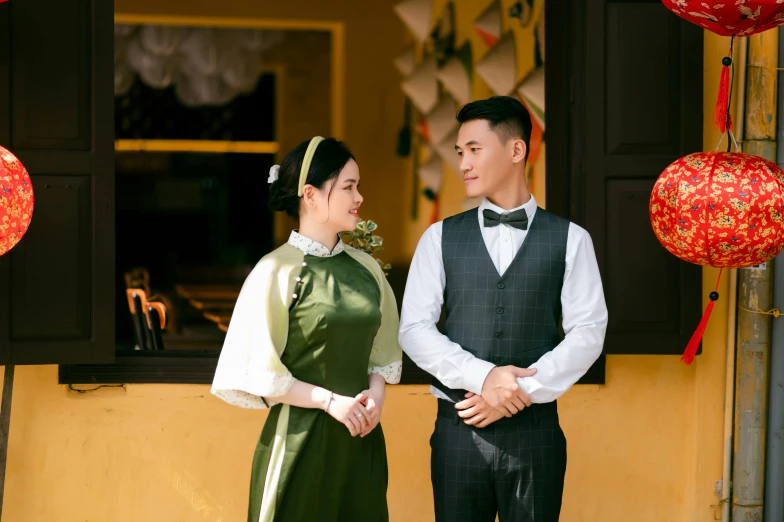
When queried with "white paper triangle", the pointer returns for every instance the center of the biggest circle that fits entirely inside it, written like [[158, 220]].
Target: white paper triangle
[[498, 67], [442, 119], [431, 173], [488, 24], [446, 150], [405, 62], [455, 79], [531, 91], [422, 87], [417, 15]]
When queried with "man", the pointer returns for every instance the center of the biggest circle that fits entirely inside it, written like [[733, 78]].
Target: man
[[507, 273]]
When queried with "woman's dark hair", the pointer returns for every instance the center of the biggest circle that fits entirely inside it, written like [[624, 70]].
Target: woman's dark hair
[[330, 158]]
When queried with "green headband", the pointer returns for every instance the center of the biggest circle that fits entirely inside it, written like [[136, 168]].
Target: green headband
[[303, 172]]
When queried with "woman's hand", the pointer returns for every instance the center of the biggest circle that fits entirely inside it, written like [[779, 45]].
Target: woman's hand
[[351, 412], [373, 400]]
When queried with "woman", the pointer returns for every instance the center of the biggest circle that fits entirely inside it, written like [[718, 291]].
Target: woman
[[313, 336]]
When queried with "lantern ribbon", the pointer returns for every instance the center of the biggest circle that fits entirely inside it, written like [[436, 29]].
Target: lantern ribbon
[[732, 137], [691, 349]]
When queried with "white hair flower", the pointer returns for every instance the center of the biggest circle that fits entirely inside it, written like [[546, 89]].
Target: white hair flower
[[274, 173]]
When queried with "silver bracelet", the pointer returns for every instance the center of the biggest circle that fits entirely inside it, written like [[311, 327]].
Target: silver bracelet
[[331, 398]]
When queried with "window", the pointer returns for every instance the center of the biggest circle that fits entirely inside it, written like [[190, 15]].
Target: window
[[196, 130], [190, 204]]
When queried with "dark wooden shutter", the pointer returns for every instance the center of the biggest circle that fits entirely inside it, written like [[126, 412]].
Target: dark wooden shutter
[[624, 100], [56, 115]]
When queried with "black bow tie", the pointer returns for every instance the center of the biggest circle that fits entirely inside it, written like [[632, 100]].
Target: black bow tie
[[517, 219]]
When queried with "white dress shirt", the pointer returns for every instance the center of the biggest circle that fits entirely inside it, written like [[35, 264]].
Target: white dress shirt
[[582, 300]]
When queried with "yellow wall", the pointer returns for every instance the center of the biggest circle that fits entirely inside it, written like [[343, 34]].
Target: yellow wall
[[646, 447], [165, 453]]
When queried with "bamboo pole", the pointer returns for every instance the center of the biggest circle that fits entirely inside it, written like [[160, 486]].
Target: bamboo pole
[[755, 293]]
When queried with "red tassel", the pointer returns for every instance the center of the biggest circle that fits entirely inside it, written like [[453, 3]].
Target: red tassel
[[694, 343], [722, 119]]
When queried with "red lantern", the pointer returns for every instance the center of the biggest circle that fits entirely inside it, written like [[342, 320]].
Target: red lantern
[[16, 201], [730, 17], [719, 209]]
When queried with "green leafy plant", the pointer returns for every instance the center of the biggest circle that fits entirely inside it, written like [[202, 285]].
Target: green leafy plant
[[362, 238]]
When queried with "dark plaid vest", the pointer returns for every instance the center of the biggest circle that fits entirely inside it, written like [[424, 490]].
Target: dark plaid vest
[[504, 319]]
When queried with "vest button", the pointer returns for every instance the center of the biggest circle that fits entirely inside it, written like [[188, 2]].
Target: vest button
[[499, 335], [499, 310], [501, 286], [496, 360]]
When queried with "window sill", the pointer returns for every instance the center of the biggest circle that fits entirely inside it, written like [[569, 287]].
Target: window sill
[[178, 367], [147, 367]]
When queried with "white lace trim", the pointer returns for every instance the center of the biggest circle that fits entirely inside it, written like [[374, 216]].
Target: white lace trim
[[242, 399], [391, 372], [275, 385], [314, 248]]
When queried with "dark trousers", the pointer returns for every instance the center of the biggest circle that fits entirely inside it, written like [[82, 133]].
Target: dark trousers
[[515, 467]]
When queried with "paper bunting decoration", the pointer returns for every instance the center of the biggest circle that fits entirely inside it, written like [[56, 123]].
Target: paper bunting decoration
[[498, 66], [417, 15], [534, 146], [422, 87], [16, 201], [431, 173], [446, 150], [531, 93], [440, 121], [457, 73], [488, 24], [405, 62]]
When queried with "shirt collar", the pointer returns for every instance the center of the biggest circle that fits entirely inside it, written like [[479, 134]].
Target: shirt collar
[[530, 207], [313, 248]]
